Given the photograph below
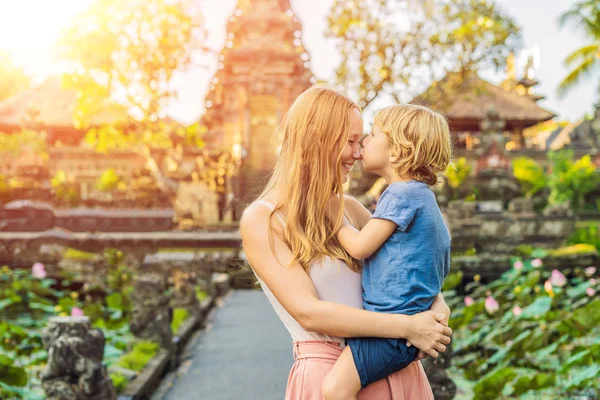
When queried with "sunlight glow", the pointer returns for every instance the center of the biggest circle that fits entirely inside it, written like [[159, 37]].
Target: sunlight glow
[[29, 30]]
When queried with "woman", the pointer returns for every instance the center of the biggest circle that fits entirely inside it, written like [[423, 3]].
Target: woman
[[311, 281]]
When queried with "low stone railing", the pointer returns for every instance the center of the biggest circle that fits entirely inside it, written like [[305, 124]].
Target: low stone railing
[[75, 351]]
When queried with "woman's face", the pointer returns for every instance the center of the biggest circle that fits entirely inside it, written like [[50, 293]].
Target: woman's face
[[351, 151]]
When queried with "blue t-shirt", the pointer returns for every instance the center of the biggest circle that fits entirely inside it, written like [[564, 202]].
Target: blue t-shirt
[[407, 272]]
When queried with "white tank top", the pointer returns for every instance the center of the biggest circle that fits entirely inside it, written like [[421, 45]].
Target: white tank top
[[334, 282]]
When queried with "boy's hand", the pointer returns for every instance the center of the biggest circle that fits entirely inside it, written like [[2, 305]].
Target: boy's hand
[[439, 306]]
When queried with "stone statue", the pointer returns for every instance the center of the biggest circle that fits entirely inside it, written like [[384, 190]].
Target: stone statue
[[151, 313], [74, 370]]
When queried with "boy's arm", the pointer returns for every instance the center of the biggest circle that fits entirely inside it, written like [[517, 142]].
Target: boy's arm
[[439, 306], [361, 244]]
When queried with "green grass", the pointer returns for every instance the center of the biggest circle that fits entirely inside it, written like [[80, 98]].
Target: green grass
[[179, 317]]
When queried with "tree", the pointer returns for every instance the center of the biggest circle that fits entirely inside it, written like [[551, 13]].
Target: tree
[[571, 180], [585, 16], [530, 175], [130, 51], [12, 78], [395, 47]]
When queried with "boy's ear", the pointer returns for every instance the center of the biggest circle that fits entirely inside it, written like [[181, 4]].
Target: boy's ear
[[393, 157]]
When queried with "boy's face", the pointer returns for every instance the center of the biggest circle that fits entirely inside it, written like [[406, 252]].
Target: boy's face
[[376, 151]]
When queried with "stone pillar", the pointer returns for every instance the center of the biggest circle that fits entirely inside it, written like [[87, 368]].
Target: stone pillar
[[442, 386], [184, 295], [74, 370], [151, 313]]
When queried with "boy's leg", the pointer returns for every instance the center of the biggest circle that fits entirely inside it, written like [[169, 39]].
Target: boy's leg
[[342, 382]]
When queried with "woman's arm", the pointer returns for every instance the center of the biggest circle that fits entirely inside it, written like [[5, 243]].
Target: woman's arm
[[294, 289]]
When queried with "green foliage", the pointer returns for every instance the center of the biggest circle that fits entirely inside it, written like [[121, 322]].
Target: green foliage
[[542, 341], [580, 248], [530, 175], [109, 180], [571, 180], [456, 174], [12, 145], [119, 381], [139, 356], [63, 191], [27, 299], [395, 44], [130, 49], [587, 235], [584, 15], [179, 317], [201, 294]]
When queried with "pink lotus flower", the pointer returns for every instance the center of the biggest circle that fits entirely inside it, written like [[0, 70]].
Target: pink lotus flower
[[590, 292], [491, 305], [589, 271], [517, 311], [592, 281], [38, 271], [76, 312], [518, 265], [469, 301], [557, 279], [537, 262]]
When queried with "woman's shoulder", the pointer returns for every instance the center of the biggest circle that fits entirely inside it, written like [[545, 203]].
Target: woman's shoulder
[[356, 211], [256, 212]]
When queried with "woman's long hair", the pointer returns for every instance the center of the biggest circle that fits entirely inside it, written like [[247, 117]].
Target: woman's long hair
[[308, 171]]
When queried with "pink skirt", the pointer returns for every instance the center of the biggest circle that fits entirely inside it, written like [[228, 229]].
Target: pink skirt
[[315, 358]]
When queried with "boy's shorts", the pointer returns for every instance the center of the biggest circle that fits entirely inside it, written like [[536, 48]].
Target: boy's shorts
[[376, 358]]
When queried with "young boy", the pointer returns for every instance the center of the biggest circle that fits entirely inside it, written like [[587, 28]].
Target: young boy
[[406, 245]]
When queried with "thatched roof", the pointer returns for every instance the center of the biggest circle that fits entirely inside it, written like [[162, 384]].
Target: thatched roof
[[466, 98], [51, 105]]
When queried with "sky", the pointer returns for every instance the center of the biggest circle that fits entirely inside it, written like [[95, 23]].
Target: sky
[[30, 37]]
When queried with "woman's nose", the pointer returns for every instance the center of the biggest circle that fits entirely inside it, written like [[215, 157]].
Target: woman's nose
[[356, 151]]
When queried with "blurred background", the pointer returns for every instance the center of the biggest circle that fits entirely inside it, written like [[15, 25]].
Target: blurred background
[[133, 133]]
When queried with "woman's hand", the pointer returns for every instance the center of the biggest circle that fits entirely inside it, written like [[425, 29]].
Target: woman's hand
[[439, 306], [428, 333]]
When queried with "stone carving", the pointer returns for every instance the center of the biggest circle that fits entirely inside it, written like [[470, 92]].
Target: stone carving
[[151, 313], [558, 210], [184, 295], [74, 369], [521, 206]]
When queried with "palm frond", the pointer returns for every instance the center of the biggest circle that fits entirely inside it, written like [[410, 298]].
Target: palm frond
[[584, 15], [583, 53], [575, 75]]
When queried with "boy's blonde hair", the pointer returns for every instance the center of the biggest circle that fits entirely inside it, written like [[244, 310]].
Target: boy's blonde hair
[[419, 138]]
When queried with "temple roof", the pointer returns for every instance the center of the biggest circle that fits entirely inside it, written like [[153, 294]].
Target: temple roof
[[465, 99], [51, 105]]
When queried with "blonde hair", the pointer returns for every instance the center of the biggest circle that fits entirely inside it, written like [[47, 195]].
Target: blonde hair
[[307, 172], [419, 138]]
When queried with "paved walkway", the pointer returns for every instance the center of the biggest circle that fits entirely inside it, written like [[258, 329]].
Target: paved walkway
[[245, 353]]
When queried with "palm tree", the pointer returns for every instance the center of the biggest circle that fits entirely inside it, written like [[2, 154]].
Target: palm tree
[[584, 15]]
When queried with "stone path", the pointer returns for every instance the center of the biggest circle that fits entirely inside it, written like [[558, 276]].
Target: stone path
[[245, 353]]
